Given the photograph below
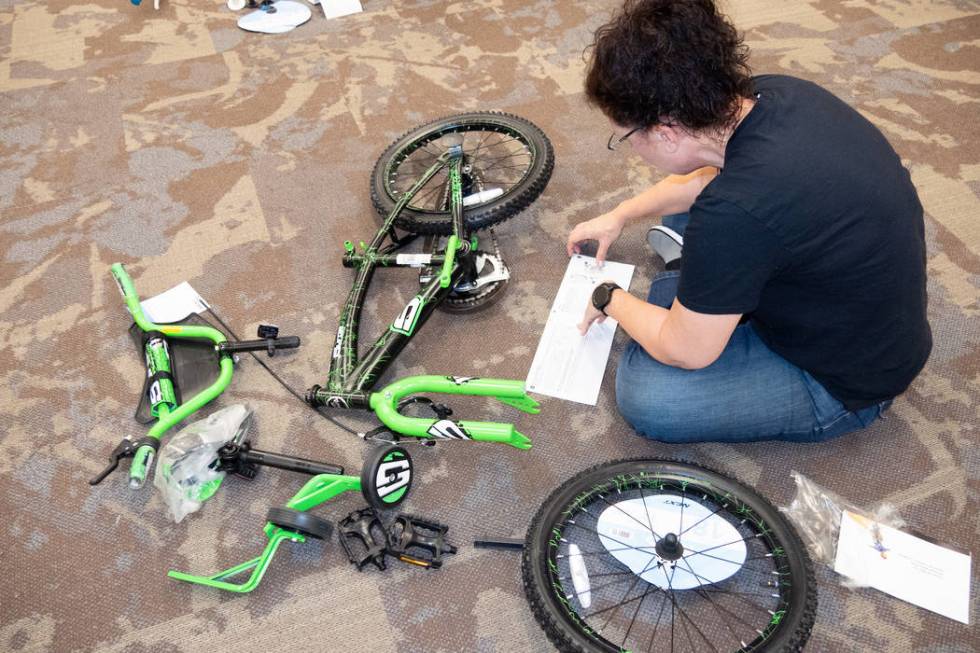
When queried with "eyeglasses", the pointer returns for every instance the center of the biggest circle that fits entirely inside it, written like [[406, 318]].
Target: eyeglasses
[[616, 142]]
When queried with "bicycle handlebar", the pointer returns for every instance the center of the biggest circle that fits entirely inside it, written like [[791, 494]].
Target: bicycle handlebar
[[167, 412]]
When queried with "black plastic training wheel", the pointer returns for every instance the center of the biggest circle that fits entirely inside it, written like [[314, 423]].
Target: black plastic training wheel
[[659, 555], [507, 163], [301, 522]]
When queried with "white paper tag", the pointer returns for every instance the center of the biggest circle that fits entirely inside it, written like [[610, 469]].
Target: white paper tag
[[568, 365], [338, 8], [414, 260], [174, 305], [905, 566]]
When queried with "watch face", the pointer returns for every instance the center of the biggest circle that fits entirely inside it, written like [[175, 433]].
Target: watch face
[[601, 296]]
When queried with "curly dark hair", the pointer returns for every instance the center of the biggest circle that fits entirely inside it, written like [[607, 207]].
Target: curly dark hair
[[677, 61]]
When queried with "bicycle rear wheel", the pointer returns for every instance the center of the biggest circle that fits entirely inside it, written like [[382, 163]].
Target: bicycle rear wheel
[[658, 555], [507, 162]]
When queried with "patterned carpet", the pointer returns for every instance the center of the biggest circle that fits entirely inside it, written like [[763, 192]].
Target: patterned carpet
[[190, 150]]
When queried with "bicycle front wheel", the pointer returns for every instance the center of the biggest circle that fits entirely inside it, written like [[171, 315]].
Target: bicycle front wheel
[[659, 555], [507, 162]]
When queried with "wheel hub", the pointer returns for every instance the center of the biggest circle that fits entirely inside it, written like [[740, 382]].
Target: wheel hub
[[669, 547], [644, 535]]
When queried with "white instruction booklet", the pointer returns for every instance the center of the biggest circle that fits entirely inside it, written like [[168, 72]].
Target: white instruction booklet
[[174, 305], [568, 365], [905, 566], [339, 8]]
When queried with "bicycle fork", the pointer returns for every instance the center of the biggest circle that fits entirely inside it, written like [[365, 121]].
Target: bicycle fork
[[385, 404]]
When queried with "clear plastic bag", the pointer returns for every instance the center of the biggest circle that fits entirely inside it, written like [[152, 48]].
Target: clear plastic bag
[[184, 473], [816, 512]]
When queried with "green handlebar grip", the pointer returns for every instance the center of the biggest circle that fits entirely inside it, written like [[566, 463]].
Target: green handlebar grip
[[140, 465], [445, 276], [128, 291]]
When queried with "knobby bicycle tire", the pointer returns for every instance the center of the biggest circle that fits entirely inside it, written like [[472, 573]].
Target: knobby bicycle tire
[[757, 595], [502, 145]]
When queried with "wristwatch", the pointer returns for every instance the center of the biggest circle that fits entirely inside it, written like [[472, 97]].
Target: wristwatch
[[602, 295]]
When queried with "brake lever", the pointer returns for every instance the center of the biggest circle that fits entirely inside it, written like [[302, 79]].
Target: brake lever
[[125, 449]]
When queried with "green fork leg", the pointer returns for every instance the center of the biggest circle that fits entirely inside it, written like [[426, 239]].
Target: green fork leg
[[385, 405]]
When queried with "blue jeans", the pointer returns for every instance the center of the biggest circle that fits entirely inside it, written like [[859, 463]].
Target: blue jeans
[[749, 393]]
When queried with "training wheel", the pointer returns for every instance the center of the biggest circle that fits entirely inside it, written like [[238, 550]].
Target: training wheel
[[301, 522], [386, 477]]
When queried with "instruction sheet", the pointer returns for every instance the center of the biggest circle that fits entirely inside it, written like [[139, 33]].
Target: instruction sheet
[[568, 365], [174, 305], [339, 8], [905, 566]]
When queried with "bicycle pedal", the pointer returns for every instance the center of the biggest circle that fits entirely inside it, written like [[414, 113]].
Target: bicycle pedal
[[418, 541], [364, 531]]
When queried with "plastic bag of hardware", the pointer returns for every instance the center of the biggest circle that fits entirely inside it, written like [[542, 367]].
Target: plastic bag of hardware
[[185, 473], [816, 512]]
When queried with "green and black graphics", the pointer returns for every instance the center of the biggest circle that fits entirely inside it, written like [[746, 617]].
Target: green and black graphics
[[657, 555], [445, 181]]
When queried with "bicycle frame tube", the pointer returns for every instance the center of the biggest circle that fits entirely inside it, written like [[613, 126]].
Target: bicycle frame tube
[[348, 375]]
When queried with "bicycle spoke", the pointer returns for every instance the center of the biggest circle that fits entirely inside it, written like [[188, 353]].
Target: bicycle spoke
[[564, 579], [720, 508], [635, 612], [676, 605], [673, 606], [425, 148], [498, 182], [716, 590], [680, 527], [584, 554], [419, 200], [627, 547], [630, 589], [718, 607], [501, 158], [501, 142], [513, 167], [744, 539], [656, 626], [616, 506], [742, 594], [483, 140], [768, 556], [597, 588]]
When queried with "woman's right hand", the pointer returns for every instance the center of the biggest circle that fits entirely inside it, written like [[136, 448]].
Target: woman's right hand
[[604, 229]]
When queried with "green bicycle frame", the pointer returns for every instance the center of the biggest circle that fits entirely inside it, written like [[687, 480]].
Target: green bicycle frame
[[350, 380]]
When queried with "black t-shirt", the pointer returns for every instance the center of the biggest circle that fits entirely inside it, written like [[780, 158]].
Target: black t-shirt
[[814, 229]]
